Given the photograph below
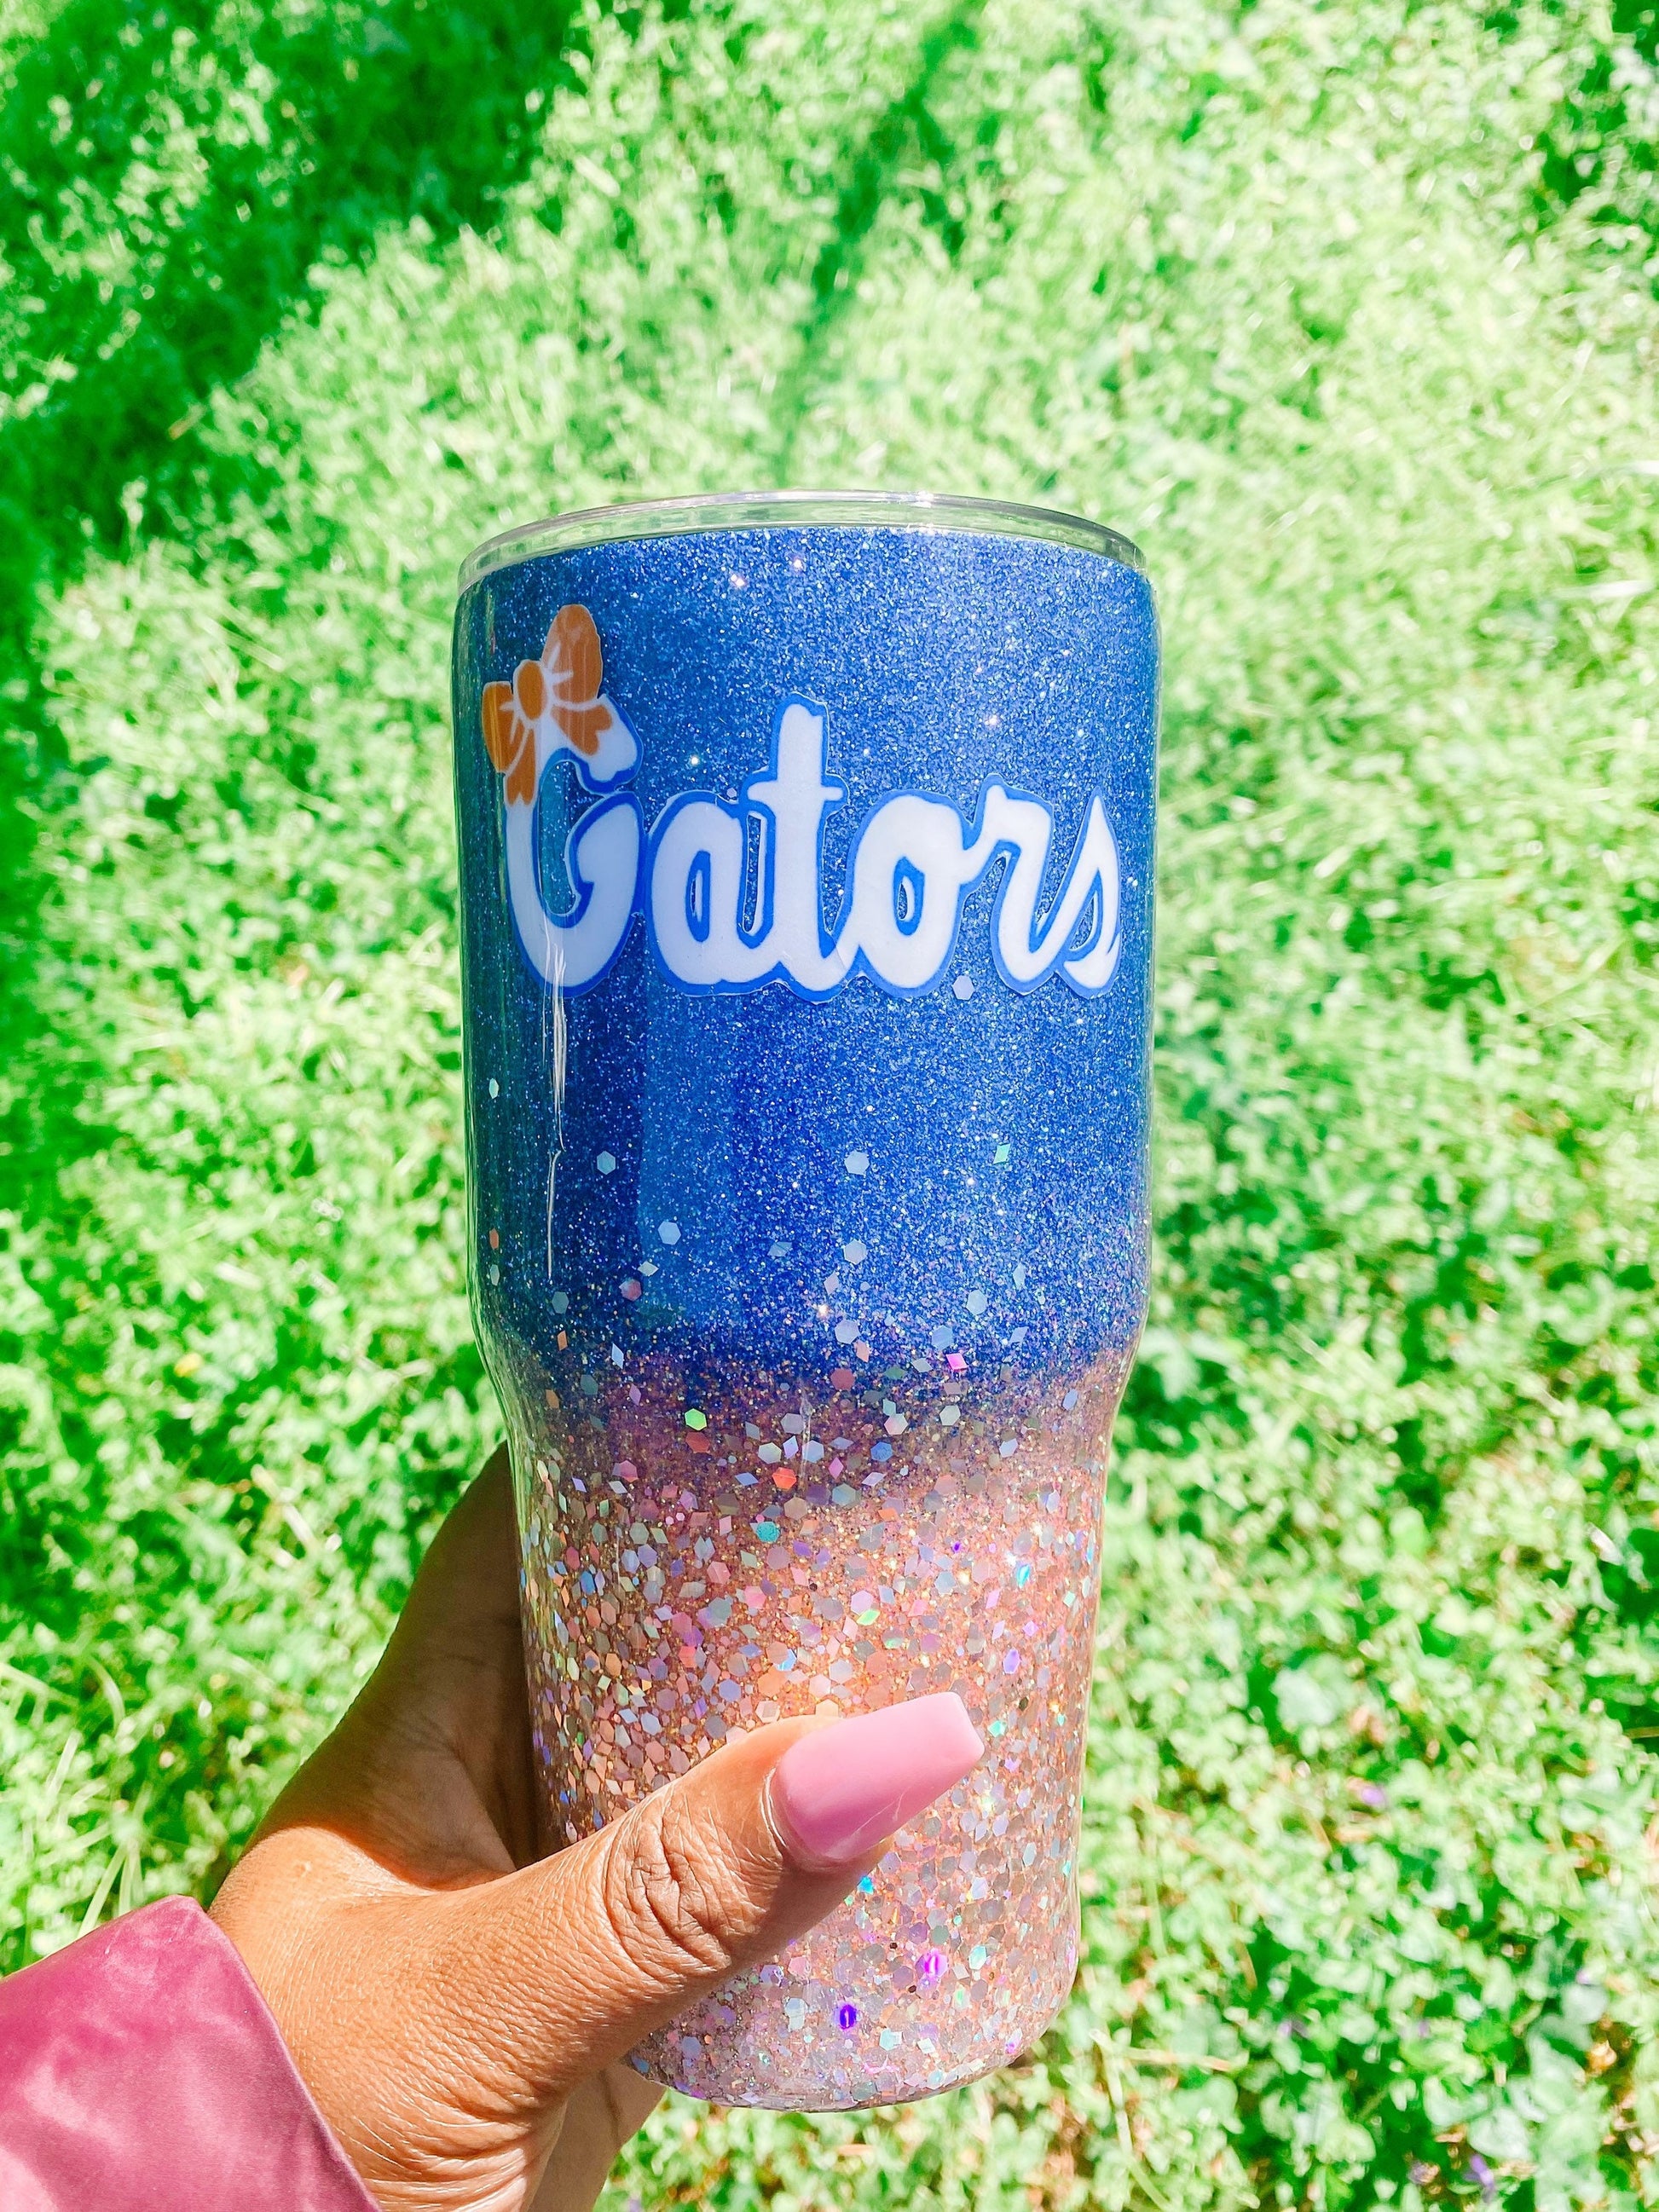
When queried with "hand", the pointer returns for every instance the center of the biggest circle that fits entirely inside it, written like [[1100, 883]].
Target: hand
[[457, 2006]]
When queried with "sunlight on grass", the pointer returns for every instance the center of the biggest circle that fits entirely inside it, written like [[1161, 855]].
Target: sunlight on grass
[[1370, 1914]]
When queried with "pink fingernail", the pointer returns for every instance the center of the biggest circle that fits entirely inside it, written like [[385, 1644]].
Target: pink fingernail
[[842, 1788]]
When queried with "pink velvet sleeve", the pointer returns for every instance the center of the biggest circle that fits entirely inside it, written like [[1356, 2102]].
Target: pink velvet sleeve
[[140, 2072]]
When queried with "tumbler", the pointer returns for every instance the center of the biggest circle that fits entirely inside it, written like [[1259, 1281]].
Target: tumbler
[[805, 847]]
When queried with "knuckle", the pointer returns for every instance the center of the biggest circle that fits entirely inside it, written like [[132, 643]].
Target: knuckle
[[675, 1903]]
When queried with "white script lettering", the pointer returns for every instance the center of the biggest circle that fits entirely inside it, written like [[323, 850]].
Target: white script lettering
[[732, 892]]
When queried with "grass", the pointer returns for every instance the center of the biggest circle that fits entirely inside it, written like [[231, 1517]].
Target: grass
[[1303, 299]]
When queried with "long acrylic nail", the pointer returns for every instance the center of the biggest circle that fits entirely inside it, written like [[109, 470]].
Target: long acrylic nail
[[840, 1789]]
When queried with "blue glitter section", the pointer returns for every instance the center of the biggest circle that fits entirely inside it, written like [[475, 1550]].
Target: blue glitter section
[[1005, 1135]]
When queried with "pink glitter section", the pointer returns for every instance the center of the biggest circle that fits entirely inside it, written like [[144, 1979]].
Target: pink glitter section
[[694, 1565]]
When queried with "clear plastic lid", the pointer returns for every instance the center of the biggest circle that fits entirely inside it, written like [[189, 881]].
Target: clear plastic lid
[[774, 510]]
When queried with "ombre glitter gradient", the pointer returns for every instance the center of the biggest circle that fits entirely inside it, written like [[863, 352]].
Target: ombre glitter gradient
[[810, 1317]]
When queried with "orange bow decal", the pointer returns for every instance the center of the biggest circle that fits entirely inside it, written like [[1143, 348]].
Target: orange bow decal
[[560, 693]]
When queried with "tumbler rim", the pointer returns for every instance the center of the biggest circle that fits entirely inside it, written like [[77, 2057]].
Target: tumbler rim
[[761, 510]]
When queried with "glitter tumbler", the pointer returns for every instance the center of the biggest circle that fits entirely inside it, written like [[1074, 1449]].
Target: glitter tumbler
[[806, 860]]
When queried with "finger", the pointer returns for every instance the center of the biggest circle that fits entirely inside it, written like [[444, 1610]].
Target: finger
[[599, 2119], [459, 1633], [559, 1970], [430, 1770]]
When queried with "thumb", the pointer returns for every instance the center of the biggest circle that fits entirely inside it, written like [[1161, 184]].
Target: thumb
[[563, 1968]]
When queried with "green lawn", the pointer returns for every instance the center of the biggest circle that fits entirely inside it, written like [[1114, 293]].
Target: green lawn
[[1346, 313]]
